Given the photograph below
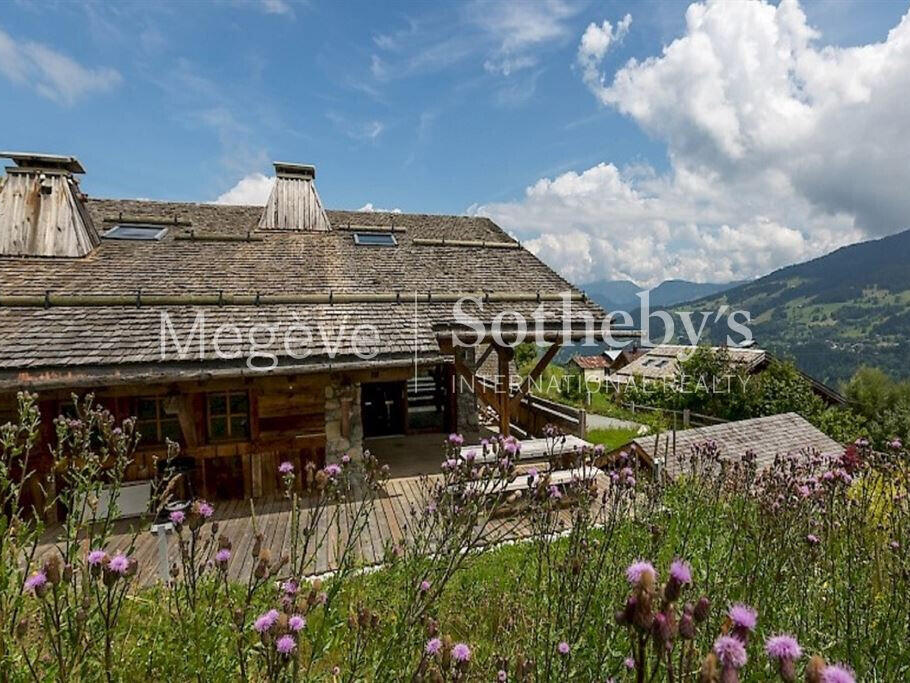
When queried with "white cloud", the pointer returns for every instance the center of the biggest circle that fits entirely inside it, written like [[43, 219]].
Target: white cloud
[[369, 208], [52, 74], [779, 150], [252, 190], [276, 7]]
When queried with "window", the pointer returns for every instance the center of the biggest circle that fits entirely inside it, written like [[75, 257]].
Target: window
[[229, 416], [155, 422], [375, 239], [135, 231]]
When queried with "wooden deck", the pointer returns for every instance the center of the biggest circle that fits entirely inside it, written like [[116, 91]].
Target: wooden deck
[[387, 522]]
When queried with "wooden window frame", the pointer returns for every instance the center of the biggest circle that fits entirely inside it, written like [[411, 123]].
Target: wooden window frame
[[160, 416], [228, 416]]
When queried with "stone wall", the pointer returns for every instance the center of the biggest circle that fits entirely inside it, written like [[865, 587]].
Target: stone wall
[[343, 423], [468, 423]]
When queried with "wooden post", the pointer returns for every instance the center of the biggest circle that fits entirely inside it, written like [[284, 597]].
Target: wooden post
[[504, 354], [685, 418]]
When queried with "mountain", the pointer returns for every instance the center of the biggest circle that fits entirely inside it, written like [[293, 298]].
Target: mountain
[[622, 295], [834, 313], [671, 292], [613, 294]]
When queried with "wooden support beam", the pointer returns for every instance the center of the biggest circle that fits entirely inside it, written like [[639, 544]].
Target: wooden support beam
[[484, 356], [481, 391], [541, 365], [504, 354]]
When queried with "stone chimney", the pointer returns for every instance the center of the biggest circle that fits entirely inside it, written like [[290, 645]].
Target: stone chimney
[[42, 210], [294, 203]]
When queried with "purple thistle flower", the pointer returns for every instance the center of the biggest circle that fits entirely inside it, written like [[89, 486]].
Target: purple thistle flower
[[563, 648], [36, 581], [345, 459], [783, 646], [743, 616], [296, 623], [681, 572], [177, 517], [502, 676], [95, 557], [119, 564], [223, 556], [837, 673], [433, 647], [285, 644], [266, 621], [456, 439], [290, 587], [638, 569], [424, 586], [461, 652], [629, 663], [730, 651], [332, 470], [286, 467], [204, 509], [555, 493]]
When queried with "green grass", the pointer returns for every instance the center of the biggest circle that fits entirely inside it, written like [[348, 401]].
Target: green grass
[[611, 439]]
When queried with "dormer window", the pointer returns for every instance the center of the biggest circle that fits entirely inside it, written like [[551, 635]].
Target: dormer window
[[375, 239], [135, 231]]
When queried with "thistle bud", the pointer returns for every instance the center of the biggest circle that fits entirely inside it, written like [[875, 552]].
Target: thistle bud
[[52, 570], [22, 628], [257, 545], [708, 672], [687, 626], [815, 669], [67, 573], [702, 609]]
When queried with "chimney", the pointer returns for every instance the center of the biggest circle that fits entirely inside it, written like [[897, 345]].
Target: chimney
[[42, 210], [294, 203]]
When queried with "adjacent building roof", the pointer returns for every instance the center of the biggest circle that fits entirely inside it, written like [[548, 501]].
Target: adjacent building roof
[[103, 319], [591, 362], [662, 362], [766, 437]]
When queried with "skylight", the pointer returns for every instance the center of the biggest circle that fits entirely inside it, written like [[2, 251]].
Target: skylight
[[135, 231], [375, 239]]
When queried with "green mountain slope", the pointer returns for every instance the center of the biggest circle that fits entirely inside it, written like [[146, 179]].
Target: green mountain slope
[[834, 313]]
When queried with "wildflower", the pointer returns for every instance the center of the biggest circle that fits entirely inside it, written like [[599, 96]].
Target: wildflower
[[296, 623], [461, 653], [555, 493], [702, 607], [785, 650], [177, 517], [896, 444], [837, 673], [332, 470], [424, 586], [203, 508], [433, 647], [681, 572], [95, 557], [456, 439], [286, 467], [345, 459], [223, 556], [502, 676], [266, 621], [563, 648], [285, 644], [812, 539], [290, 587], [37, 583], [638, 570], [730, 652], [629, 663], [744, 619], [119, 564]]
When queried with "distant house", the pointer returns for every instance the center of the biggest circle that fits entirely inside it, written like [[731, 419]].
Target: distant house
[[88, 288], [765, 437], [592, 368], [662, 363]]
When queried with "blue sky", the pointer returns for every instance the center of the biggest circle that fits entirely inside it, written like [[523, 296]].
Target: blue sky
[[426, 107]]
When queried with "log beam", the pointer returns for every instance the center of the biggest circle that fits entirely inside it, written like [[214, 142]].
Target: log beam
[[541, 365]]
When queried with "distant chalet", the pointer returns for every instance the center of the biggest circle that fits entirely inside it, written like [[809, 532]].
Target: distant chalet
[[84, 283]]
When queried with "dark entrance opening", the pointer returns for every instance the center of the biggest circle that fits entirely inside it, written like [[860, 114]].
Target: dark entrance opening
[[382, 406]]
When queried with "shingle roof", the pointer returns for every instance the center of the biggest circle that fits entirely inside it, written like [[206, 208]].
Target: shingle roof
[[274, 263], [766, 437], [663, 361], [591, 362]]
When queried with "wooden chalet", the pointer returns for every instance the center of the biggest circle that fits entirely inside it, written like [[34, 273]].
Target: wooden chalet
[[85, 285]]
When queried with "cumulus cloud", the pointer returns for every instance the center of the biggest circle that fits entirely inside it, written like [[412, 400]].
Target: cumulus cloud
[[780, 149], [369, 208], [252, 190], [51, 73]]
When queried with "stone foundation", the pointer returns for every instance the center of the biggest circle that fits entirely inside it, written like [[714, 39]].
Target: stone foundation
[[343, 423]]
